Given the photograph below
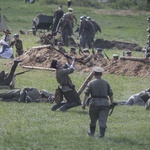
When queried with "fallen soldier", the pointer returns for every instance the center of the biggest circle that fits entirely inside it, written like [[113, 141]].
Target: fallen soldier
[[141, 99], [27, 95]]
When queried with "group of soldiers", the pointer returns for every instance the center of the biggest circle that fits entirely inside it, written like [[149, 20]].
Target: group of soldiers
[[65, 22]]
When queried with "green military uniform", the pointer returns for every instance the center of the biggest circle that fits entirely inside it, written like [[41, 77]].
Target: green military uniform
[[27, 95], [99, 90], [18, 45], [67, 88]]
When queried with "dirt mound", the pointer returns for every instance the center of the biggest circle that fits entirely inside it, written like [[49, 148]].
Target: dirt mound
[[120, 45], [43, 57]]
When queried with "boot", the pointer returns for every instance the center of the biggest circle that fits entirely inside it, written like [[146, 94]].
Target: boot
[[91, 131], [102, 132]]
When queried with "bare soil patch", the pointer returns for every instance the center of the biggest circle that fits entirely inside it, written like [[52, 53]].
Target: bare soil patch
[[43, 57]]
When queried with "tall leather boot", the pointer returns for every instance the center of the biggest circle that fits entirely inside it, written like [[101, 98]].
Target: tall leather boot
[[102, 132], [91, 131]]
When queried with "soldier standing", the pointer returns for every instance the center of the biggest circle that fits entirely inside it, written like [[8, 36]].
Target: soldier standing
[[99, 89], [18, 45], [96, 25], [71, 16], [57, 15], [65, 28], [86, 32]]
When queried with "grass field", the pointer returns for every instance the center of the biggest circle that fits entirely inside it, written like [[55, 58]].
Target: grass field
[[35, 127]]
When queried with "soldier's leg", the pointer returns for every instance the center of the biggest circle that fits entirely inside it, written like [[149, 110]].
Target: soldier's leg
[[73, 100], [55, 107], [13, 94], [93, 113], [103, 115]]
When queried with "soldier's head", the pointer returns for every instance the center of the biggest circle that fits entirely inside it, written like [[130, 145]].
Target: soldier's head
[[99, 50], [115, 56], [89, 18], [56, 64], [70, 9], [59, 44], [86, 50], [16, 36], [128, 53], [60, 7], [73, 50], [97, 71]]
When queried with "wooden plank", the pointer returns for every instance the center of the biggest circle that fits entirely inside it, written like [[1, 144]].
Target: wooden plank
[[39, 68]]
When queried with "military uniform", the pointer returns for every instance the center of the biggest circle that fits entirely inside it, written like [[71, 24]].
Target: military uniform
[[71, 16], [99, 90], [141, 99], [57, 16], [66, 29], [18, 45], [87, 33], [67, 88], [27, 95]]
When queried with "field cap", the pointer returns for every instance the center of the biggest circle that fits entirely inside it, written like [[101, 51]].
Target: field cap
[[16, 35], [99, 49], [115, 55], [86, 50], [98, 69], [72, 48], [70, 9], [59, 43]]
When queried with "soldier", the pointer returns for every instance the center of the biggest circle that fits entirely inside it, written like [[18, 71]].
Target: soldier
[[18, 45], [66, 86], [115, 57], [96, 26], [5, 79], [99, 53], [128, 54], [99, 89], [65, 28], [61, 49], [6, 37], [142, 98], [57, 16], [73, 50], [71, 16], [86, 32], [27, 95], [5, 50]]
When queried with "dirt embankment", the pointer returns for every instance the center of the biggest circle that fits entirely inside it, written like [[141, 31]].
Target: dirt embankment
[[43, 57]]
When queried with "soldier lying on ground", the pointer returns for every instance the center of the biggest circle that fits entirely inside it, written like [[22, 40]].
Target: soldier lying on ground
[[5, 79], [27, 95], [141, 99]]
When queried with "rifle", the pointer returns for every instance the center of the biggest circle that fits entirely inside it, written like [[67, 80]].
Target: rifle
[[111, 107], [69, 57], [93, 49], [106, 56], [22, 72]]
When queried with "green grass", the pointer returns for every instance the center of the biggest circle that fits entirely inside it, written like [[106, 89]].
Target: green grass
[[35, 127]]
